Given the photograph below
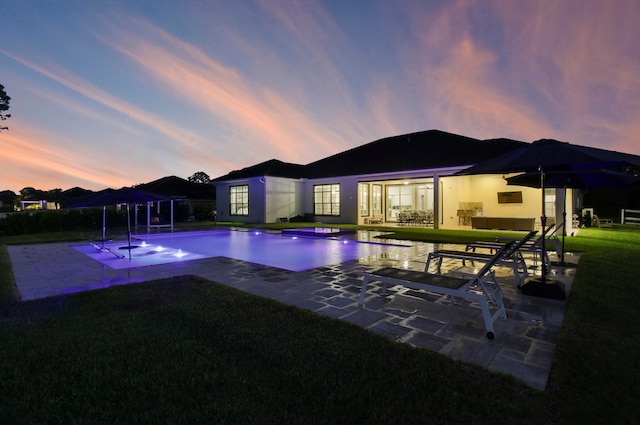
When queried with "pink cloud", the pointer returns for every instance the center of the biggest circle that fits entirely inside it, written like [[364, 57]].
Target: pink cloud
[[25, 156], [584, 61], [228, 96], [160, 124], [554, 76]]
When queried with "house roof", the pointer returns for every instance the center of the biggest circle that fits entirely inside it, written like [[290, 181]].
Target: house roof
[[273, 167], [414, 151], [174, 186]]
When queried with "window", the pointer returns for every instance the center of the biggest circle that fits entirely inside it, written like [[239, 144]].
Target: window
[[239, 200], [550, 202], [326, 199], [399, 199], [376, 199], [364, 199]]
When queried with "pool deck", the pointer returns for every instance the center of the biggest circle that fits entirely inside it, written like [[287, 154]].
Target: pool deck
[[523, 346]]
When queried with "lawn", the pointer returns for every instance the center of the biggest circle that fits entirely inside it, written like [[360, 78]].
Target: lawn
[[187, 350]]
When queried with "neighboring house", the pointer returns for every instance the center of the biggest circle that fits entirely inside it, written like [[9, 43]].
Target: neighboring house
[[400, 179]]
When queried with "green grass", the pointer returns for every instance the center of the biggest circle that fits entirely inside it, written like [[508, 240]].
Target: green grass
[[186, 350], [190, 351]]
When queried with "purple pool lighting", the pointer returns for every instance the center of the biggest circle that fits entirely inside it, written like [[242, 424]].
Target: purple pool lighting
[[276, 250]]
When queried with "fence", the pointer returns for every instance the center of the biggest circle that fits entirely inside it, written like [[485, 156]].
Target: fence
[[630, 217]]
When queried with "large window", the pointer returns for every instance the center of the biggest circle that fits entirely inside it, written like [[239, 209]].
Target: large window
[[239, 200], [326, 199], [409, 198], [376, 199], [364, 199], [399, 199]]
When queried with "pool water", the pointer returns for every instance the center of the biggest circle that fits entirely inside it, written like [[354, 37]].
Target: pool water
[[289, 252]]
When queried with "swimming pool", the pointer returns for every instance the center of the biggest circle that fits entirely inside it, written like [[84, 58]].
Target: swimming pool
[[289, 252]]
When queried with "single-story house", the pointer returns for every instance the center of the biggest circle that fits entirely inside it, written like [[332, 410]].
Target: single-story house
[[401, 179]]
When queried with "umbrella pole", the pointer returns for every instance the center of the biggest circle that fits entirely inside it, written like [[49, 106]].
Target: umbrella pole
[[543, 220], [104, 224], [129, 231], [564, 223]]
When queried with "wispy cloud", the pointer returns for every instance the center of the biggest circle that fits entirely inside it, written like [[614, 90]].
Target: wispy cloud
[[25, 155], [219, 88], [157, 123], [264, 113], [554, 73]]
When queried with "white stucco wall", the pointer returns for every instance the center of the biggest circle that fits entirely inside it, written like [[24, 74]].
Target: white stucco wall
[[270, 198], [256, 201], [283, 198], [348, 199]]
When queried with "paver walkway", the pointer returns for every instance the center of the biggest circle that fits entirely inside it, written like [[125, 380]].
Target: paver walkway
[[523, 346]]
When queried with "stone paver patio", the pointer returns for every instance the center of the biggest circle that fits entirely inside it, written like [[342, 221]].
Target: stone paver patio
[[523, 346]]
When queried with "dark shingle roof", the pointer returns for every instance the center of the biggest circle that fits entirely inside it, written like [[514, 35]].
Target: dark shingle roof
[[415, 151], [273, 167]]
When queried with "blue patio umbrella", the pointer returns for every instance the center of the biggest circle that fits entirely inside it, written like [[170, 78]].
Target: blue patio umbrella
[[125, 196], [558, 160]]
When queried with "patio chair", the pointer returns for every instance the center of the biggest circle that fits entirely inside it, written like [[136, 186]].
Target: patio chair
[[511, 258], [482, 287], [403, 218], [552, 241], [533, 246]]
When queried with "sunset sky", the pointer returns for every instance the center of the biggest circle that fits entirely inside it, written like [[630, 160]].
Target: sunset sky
[[115, 93]]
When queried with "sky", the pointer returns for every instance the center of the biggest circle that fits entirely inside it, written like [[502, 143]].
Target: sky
[[115, 93]]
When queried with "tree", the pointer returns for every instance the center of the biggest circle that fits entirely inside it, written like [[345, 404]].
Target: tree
[[199, 177], [30, 193], [4, 106]]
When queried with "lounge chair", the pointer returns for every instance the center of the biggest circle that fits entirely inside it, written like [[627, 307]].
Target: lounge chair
[[552, 242], [533, 246], [511, 258], [477, 287]]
